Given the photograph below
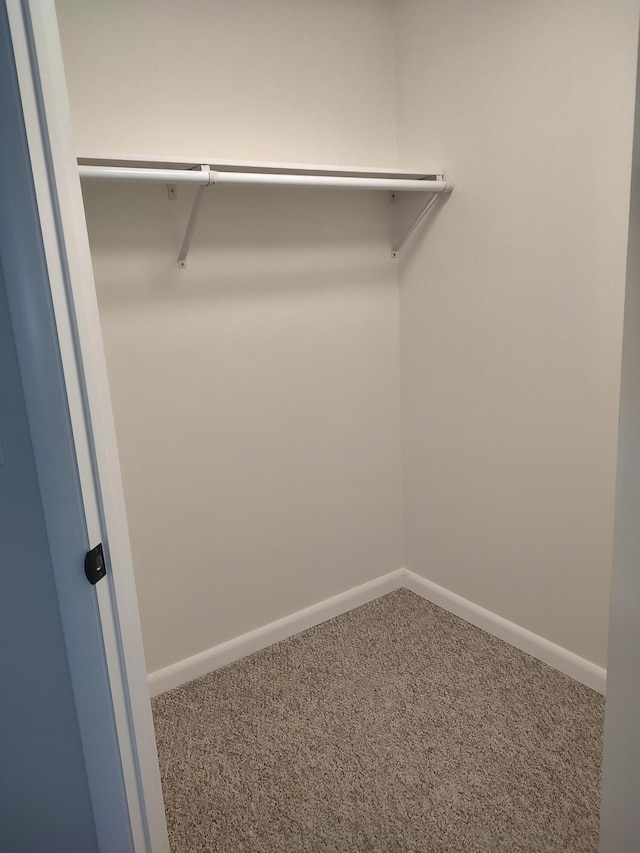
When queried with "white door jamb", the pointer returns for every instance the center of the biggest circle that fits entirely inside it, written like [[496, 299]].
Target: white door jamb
[[38, 59]]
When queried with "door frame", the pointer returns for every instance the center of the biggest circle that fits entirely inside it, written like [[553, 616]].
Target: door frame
[[620, 817], [47, 122]]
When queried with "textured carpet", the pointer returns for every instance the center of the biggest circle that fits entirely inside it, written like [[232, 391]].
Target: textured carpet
[[396, 728]]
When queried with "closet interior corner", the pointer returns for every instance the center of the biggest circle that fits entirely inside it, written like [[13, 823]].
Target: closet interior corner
[[333, 382]]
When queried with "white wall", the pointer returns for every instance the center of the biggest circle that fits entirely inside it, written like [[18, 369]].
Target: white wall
[[511, 303], [271, 364], [256, 393], [299, 80]]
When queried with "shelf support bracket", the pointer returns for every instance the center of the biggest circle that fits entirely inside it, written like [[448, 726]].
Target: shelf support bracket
[[422, 212], [418, 215], [408, 211], [193, 219]]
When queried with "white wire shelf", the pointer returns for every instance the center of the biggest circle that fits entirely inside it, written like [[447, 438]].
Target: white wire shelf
[[205, 173]]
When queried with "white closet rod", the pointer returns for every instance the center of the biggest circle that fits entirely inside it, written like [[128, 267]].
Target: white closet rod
[[205, 178]]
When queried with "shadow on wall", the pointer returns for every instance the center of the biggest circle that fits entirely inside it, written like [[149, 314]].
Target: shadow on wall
[[245, 241]]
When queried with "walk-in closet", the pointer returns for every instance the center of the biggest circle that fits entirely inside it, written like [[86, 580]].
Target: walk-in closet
[[360, 270]]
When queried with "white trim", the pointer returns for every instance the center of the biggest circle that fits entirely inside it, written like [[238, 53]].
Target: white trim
[[230, 651], [559, 658], [59, 200], [205, 662]]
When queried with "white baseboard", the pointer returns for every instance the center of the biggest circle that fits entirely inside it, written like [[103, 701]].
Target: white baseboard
[[194, 667], [559, 658]]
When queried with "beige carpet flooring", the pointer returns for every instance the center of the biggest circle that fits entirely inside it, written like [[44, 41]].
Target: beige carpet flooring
[[396, 728]]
